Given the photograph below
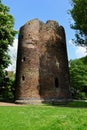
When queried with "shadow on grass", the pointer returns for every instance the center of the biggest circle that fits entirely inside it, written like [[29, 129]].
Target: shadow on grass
[[73, 104], [80, 104]]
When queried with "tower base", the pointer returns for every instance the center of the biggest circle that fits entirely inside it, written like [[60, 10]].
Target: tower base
[[43, 101]]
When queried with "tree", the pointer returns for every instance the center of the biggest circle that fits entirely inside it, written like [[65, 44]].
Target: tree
[[7, 34], [79, 15], [78, 75]]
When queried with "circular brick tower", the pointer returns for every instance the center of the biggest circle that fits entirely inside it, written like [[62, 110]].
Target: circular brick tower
[[42, 73]]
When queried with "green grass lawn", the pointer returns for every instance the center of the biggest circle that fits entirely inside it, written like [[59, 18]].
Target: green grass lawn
[[44, 117]]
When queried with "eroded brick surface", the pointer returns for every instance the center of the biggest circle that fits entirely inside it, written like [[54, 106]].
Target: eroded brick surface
[[42, 64]]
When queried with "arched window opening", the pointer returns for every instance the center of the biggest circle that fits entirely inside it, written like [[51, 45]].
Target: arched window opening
[[56, 83], [23, 77]]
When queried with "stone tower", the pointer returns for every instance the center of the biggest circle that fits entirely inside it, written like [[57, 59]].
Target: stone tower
[[42, 64]]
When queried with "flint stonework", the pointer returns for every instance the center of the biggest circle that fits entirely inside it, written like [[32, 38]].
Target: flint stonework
[[42, 73]]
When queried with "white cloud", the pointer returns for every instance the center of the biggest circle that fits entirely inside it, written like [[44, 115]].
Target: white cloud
[[80, 52], [13, 55]]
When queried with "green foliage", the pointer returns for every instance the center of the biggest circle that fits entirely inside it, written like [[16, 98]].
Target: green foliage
[[7, 91], [79, 15], [43, 118], [78, 77], [7, 34]]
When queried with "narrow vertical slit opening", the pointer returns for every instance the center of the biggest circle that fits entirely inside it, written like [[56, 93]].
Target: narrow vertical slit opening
[[56, 83], [23, 77], [22, 36], [24, 59]]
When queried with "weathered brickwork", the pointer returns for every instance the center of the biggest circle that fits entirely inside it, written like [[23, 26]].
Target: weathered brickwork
[[42, 64]]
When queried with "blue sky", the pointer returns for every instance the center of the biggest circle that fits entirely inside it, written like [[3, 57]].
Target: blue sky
[[25, 10]]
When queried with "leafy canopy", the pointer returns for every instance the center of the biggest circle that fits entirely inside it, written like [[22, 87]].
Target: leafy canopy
[[7, 34], [79, 15], [78, 73]]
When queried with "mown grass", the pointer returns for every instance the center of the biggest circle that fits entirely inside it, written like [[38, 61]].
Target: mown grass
[[43, 117]]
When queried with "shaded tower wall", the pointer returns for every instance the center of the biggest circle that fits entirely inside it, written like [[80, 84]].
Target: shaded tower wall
[[42, 64]]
